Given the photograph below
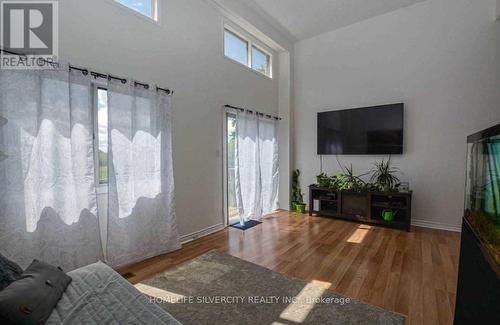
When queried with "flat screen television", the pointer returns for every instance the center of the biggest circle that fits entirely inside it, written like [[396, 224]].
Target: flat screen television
[[362, 131]]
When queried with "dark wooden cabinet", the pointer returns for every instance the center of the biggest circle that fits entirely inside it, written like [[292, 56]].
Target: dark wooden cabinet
[[366, 207], [478, 289]]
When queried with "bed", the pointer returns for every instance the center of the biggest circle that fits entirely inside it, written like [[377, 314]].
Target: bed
[[99, 295]]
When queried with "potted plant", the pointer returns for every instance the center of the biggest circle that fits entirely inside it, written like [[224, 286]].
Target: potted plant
[[383, 175], [348, 181], [297, 196], [300, 207], [329, 182], [323, 180]]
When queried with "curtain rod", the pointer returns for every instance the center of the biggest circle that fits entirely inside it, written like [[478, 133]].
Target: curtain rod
[[96, 74], [253, 111]]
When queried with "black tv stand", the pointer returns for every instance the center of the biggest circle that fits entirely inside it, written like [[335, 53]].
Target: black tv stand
[[365, 207]]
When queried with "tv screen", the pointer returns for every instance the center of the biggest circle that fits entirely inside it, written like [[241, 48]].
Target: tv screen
[[368, 130]]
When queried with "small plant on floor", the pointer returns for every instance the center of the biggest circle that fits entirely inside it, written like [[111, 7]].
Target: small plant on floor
[[297, 196], [383, 175]]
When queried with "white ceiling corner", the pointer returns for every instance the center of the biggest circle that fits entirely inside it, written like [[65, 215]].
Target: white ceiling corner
[[307, 18]]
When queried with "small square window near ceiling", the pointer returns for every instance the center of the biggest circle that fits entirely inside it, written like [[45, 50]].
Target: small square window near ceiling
[[148, 8], [235, 47], [260, 61], [242, 50]]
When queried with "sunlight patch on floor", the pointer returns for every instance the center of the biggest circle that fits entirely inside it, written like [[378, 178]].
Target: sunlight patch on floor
[[163, 295], [321, 284], [359, 235], [304, 302]]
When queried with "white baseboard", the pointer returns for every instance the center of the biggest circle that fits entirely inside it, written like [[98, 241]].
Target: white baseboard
[[435, 225], [201, 233]]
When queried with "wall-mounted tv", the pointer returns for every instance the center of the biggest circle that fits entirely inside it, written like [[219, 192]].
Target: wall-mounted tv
[[372, 130]]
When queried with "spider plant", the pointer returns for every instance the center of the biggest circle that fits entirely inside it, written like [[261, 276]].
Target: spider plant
[[349, 181], [383, 175]]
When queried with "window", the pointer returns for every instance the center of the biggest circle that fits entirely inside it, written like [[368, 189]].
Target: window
[[148, 8], [260, 61], [231, 131], [102, 135], [241, 50], [235, 47]]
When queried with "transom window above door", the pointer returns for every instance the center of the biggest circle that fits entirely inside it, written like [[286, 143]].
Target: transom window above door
[[242, 50], [148, 8]]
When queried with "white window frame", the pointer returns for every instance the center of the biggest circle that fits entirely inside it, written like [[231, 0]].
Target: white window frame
[[155, 10], [250, 44], [225, 114]]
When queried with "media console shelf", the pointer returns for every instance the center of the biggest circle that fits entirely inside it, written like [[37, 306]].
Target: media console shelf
[[365, 207]]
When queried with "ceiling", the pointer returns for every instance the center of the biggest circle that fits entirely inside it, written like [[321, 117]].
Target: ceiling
[[308, 18]]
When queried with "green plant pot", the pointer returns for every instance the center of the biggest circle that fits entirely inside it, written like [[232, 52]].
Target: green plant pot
[[294, 206], [388, 215], [300, 208]]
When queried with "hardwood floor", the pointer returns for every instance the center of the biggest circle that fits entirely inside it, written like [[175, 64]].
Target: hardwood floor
[[413, 273]]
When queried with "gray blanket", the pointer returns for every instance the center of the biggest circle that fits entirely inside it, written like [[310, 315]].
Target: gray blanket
[[99, 295]]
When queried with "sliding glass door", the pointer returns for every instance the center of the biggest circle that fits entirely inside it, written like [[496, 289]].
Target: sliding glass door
[[231, 206]]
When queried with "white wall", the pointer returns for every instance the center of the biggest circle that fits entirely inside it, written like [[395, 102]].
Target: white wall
[[498, 9], [440, 57], [184, 52], [285, 132]]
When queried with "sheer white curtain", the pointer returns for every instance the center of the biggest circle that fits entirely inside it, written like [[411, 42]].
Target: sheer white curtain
[[142, 221], [269, 163], [256, 166], [47, 178]]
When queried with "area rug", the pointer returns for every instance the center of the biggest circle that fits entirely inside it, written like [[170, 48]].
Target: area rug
[[217, 288]]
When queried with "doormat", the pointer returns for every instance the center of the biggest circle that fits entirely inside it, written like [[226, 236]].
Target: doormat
[[248, 224]]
